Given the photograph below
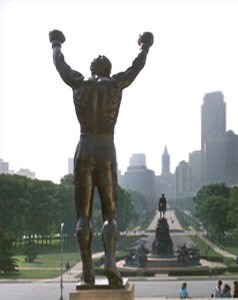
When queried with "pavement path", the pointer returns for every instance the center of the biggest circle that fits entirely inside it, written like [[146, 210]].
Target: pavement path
[[174, 225], [146, 289]]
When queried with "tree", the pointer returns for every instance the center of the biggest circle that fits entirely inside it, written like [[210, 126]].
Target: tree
[[8, 263], [13, 201], [212, 206], [126, 213], [214, 211], [233, 212], [67, 179], [142, 207], [218, 189], [42, 211], [127, 216], [67, 214]]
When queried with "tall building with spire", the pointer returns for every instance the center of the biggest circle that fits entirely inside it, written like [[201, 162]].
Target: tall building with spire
[[165, 161], [165, 182]]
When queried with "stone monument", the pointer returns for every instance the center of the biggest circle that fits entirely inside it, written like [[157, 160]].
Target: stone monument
[[97, 102], [163, 244]]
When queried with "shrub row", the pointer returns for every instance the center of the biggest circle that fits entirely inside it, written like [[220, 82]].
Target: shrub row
[[204, 271], [213, 258], [193, 272], [232, 269], [129, 273]]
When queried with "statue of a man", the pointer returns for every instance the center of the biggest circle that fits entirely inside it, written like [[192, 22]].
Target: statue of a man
[[162, 207], [97, 101]]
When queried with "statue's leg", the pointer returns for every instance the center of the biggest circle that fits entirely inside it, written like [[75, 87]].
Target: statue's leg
[[108, 194], [83, 202]]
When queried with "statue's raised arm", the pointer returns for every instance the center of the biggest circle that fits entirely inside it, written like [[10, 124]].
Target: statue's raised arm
[[124, 79], [70, 76]]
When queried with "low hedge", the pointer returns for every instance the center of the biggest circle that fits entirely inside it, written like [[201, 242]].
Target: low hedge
[[129, 273], [213, 258], [232, 269], [196, 272]]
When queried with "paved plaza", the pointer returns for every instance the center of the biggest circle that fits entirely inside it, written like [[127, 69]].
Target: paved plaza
[[146, 289]]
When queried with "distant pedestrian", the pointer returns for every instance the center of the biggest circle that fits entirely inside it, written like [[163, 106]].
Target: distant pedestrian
[[67, 267], [183, 294], [226, 293], [217, 291], [235, 293]]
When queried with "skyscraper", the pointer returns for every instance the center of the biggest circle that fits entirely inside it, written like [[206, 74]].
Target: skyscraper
[[139, 178], [4, 166], [213, 117], [222, 159], [70, 166], [213, 125], [195, 163], [183, 180]]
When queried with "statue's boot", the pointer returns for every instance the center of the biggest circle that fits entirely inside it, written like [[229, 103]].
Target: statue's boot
[[109, 243], [84, 237]]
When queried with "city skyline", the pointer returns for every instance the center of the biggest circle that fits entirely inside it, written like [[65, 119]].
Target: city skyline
[[195, 52]]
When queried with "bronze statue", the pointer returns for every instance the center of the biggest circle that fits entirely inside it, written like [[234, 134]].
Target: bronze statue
[[162, 207], [97, 102]]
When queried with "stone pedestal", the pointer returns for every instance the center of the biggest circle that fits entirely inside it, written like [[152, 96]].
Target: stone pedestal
[[163, 244], [103, 293]]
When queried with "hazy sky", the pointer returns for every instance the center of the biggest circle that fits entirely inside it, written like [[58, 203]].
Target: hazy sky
[[195, 52]]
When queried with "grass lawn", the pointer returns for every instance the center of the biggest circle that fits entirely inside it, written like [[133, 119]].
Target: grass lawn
[[49, 260], [32, 274], [45, 266], [203, 247], [232, 249]]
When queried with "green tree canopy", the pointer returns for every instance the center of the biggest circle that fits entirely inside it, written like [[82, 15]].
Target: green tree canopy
[[216, 206]]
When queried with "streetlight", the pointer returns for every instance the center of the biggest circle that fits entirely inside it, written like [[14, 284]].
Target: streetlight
[[61, 261]]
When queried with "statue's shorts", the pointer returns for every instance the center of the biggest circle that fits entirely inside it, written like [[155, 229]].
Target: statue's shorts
[[95, 161]]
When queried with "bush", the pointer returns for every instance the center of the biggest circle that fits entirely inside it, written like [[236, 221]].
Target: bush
[[30, 251], [8, 264]]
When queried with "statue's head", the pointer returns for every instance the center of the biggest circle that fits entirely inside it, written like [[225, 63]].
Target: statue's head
[[101, 66]]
